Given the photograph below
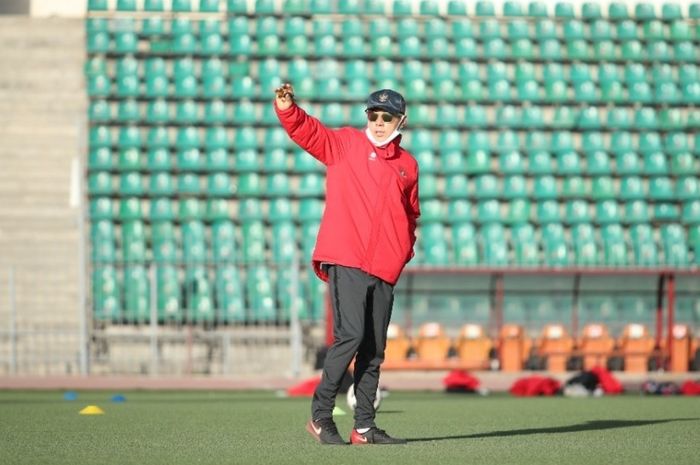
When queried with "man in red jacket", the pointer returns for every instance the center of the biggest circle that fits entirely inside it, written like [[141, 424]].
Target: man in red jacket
[[365, 239]]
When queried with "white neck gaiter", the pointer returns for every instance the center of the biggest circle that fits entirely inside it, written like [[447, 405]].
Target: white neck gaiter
[[393, 136]]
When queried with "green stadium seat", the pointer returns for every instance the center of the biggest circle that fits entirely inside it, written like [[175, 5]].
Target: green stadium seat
[[456, 8], [188, 184], [681, 31], [158, 159], [607, 212], [626, 30], [458, 211], [556, 253], [98, 5], [617, 11], [602, 188], [545, 188], [655, 164], [661, 188], [637, 211], [162, 209], [621, 142], [511, 8], [217, 209], [265, 7], [632, 188], [100, 158], [518, 211], [644, 11], [617, 117], [540, 162], [577, 211], [690, 213], [485, 8], [564, 10], [537, 9], [281, 210], [181, 6], [633, 50], [452, 162], [687, 188], [310, 185], [488, 211], [219, 185], [665, 212], [486, 186], [545, 29], [189, 159], [305, 163], [574, 187], [136, 295], [598, 163], [465, 248], [515, 187], [100, 111], [547, 211], [187, 112], [131, 184], [98, 42], [511, 162], [568, 162], [158, 111], [601, 30]]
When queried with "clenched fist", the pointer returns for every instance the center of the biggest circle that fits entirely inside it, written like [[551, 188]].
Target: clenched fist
[[284, 96]]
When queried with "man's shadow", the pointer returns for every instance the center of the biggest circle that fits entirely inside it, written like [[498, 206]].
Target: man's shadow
[[587, 426]]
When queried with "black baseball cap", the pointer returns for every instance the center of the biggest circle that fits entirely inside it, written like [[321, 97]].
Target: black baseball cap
[[387, 100]]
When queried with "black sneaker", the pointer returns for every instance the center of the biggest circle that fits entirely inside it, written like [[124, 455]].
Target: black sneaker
[[373, 436], [324, 431]]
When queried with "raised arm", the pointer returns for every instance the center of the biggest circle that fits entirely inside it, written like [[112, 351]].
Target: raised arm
[[308, 132]]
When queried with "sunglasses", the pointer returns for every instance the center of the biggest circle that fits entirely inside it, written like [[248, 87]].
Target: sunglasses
[[386, 117]]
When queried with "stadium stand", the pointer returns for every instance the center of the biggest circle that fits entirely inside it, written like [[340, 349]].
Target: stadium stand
[[548, 138]]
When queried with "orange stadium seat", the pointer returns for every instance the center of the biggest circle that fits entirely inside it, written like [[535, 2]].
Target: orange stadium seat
[[636, 346], [555, 345], [514, 347], [473, 346], [432, 344], [397, 344], [596, 345], [681, 349]]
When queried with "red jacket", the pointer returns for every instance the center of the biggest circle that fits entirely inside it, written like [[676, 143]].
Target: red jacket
[[371, 197]]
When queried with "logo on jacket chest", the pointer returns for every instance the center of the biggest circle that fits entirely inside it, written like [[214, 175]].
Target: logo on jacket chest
[[372, 156]]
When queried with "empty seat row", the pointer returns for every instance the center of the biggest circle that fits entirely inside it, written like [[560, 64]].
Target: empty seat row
[[657, 50], [589, 11], [546, 188], [305, 210], [443, 114], [161, 160], [193, 242], [567, 162], [225, 295], [406, 70], [247, 137], [353, 90], [554, 349], [460, 246], [454, 29], [220, 184]]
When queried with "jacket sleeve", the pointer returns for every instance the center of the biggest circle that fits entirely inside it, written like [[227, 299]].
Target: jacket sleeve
[[310, 134], [413, 214]]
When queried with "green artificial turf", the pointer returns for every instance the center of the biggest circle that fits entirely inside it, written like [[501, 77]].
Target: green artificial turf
[[176, 428]]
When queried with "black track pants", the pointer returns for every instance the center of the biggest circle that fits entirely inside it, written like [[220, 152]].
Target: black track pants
[[361, 313]]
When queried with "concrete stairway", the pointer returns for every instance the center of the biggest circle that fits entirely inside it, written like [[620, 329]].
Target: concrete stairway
[[42, 129]]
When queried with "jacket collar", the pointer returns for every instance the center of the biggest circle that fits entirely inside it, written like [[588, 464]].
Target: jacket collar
[[387, 149]]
